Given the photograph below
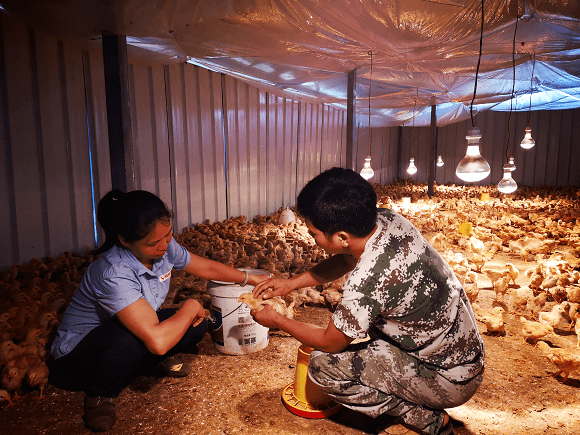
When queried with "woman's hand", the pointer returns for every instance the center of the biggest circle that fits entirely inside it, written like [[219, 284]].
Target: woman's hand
[[256, 279], [199, 316], [272, 287]]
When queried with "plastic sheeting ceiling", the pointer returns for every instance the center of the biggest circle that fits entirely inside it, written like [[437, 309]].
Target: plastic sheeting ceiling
[[424, 52]]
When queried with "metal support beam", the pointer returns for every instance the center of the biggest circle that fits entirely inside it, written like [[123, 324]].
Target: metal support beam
[[350, 111], [432, 152], [118, 112]]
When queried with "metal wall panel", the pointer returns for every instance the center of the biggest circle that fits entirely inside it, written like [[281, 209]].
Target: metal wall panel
[[46, 160], [552, 161]]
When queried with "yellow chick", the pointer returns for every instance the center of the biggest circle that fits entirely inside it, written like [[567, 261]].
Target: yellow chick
[[332, 296], [276, 302], [519, 299], [565, 360], [493, 319], [552, 317], [501, 287], [534, 330], [494, 275], [472, 291], [513, 272], [535, 304]]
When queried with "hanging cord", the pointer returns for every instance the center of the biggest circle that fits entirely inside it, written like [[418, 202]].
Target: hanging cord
[[507, 157], [531, 88], [478, 63], [370, 88], [414, 107]]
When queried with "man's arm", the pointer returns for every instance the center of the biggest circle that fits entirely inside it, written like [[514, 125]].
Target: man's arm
[[327, 340]]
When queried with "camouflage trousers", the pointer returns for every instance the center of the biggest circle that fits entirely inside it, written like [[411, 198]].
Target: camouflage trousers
[[377, 378]]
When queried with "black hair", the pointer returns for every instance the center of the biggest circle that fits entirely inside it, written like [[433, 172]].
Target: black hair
[[130, 215], [339, 199]]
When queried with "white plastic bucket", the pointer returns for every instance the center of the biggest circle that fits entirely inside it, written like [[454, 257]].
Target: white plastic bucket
[[232, 329]]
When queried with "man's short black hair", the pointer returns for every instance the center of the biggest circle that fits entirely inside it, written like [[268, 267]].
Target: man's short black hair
[[339, 199]]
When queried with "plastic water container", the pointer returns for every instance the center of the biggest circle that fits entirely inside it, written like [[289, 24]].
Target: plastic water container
[[232, 328]]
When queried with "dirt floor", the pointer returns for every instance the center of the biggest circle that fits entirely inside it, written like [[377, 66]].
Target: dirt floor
[[241, 394]]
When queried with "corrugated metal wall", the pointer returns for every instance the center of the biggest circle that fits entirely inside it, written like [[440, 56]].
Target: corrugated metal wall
[[210, 146], [553, 161]]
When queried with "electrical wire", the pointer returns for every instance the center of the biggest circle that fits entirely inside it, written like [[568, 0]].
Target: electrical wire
[[370, 88], [478, 64], [531, 87], [507, 157]]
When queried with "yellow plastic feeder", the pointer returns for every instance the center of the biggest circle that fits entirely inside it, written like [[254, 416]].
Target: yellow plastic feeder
[[302, 397], [465, 228]]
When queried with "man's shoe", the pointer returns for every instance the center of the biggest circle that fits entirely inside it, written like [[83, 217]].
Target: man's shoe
[[100, 414]]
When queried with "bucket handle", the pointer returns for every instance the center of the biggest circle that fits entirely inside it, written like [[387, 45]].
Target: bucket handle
[[211, 318]]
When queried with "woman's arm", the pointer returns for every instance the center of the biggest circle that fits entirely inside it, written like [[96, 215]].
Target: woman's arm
[[214, 270], [326, 271], [141, 319]]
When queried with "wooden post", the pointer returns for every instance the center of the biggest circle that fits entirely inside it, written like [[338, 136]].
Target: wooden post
[[431, 153], [118, 112], [350, 111]]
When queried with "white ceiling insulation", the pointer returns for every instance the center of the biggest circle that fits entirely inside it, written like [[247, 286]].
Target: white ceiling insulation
[[424, 52]]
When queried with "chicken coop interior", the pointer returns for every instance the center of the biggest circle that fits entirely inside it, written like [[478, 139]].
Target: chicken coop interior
[[461, 114]]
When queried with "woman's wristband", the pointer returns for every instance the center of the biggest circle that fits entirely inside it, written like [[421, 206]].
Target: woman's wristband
[[245, 281]]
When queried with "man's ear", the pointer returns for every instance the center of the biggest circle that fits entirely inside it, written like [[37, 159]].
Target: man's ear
[[343, 237], [123, 242]]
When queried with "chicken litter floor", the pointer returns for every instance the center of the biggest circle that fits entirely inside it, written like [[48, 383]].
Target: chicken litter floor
[[241, 394]]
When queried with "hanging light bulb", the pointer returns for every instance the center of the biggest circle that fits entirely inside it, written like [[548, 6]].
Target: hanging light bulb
[[507, 184], [412, 168], [511, 166], [528, 142], [473, 167], [367, 172], [440, 161]]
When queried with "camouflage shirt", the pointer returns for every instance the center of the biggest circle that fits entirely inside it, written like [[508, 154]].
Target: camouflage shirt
[[404, 291]]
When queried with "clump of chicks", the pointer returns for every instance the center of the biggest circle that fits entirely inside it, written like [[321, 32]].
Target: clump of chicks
[[33, 297]]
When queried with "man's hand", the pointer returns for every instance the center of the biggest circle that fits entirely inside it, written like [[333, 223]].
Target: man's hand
[[272, 287], [266, 316]]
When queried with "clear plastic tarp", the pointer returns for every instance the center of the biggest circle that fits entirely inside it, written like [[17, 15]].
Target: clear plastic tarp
[[424, 52]]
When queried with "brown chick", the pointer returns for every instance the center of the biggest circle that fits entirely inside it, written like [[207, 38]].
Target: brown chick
[[565, 360], [9, 351], [37, 376], [276, 302], [577, 327], [5, 397], [534, 330], [12, 378]]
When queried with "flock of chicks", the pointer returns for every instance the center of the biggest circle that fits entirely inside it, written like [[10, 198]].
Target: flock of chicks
[[545, 294], [542, 227]]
